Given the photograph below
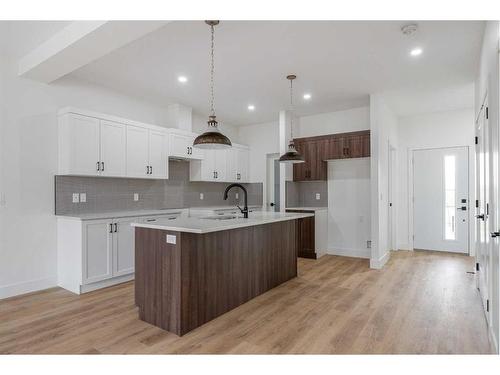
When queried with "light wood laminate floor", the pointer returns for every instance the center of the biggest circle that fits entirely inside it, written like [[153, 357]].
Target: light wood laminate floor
[[421, 302]]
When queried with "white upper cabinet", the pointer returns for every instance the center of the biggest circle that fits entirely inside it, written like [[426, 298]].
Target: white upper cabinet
[[113, 148], [181, 146], [137, 152], [79, 145], [158, 154], [146, 153], [89, 145], [238, 164], [213, 167]]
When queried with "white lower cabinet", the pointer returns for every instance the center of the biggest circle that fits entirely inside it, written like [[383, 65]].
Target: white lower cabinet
[[93, 254]]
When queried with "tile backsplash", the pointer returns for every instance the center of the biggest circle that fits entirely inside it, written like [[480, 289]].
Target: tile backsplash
[[303, 194], [117, 194]]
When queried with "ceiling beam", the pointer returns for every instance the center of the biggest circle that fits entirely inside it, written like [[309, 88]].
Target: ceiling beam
[[80, 43]]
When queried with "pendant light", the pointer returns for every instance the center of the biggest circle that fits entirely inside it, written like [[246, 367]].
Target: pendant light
[[212, 138], [292, 156]]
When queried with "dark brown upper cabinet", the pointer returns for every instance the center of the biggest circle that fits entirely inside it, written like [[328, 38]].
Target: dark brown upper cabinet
[[327, 147]]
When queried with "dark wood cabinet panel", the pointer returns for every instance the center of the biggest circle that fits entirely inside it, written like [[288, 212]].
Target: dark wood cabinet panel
[[306, 236], [328, 147], [181, 286]]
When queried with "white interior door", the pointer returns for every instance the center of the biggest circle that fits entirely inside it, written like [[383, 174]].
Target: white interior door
[[441, 199], [113, 148], [483, 248], [273, 183], [137, 151]]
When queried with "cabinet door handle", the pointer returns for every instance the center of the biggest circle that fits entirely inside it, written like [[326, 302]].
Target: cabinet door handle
[[116, 227], [216, 174], [102, 166], [98, 167], [111, 228], [150, 169]]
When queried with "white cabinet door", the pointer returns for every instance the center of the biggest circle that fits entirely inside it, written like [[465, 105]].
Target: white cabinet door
[[123, 246], [158, 159], [243, 174], [79, 145], [113, 147], [97, 251], [181, 146], [221, 165], [137, 152], [208, 166]]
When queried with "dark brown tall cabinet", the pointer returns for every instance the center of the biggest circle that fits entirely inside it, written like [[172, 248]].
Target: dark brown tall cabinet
[[327, 147]]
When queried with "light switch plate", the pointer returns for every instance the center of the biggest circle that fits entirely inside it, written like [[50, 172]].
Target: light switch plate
[[136, 197], [76, 198], [201, 196], [171, 239], [318, 196], [83, 197]]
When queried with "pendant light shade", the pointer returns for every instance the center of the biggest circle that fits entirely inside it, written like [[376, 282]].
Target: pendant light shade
[[212, 139], [292, 156]]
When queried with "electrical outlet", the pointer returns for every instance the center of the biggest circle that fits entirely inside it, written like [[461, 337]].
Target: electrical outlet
[[83, 197], [76, 198], [318, 196], [201, 196], [136, 197], [237, 196], [171, 239]]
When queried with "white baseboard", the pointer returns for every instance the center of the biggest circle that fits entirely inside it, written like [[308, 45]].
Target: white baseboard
[[12, 290], [379, 263], [105, 283], [346, 252]]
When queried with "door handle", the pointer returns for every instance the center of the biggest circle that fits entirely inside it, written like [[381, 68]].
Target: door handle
[[495, 234], [481, 216], [150, 169], [102, 166], [98, 166], [463, 208], [111, 228], [271, 204], [116, 227]]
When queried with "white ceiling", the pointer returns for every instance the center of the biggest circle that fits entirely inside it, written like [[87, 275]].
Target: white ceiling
[[339, 62]]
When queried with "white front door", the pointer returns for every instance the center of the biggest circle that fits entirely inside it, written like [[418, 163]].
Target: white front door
[[441, 199]]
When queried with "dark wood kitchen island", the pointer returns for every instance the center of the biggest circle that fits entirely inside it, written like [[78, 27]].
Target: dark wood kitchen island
[[189, 271]]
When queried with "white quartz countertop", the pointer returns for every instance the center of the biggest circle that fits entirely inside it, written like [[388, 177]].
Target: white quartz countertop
[[203, 225], [308, 208], [117, 214]]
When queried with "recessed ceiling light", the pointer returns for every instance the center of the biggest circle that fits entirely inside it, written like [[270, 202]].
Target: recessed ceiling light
[[182, 79], [307, 96], [251, 107], [416, 51]]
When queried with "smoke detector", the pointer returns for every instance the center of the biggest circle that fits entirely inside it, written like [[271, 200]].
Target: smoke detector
[[409, 29]]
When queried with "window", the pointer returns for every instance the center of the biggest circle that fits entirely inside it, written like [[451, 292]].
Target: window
[[450, 207]]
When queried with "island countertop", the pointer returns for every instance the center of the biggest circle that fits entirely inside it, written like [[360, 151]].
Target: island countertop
[[208, 224]]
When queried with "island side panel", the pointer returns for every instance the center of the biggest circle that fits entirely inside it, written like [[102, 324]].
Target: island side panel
[[157, 278], [225, 269]]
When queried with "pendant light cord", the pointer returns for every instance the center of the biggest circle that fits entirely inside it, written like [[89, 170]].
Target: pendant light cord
[[291, 109], [212, 107]]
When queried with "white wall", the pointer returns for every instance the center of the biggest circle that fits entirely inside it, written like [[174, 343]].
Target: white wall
[[488, 82], [435, 130], [29, 162], [349, 120], [383, 134], [349, 218]]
